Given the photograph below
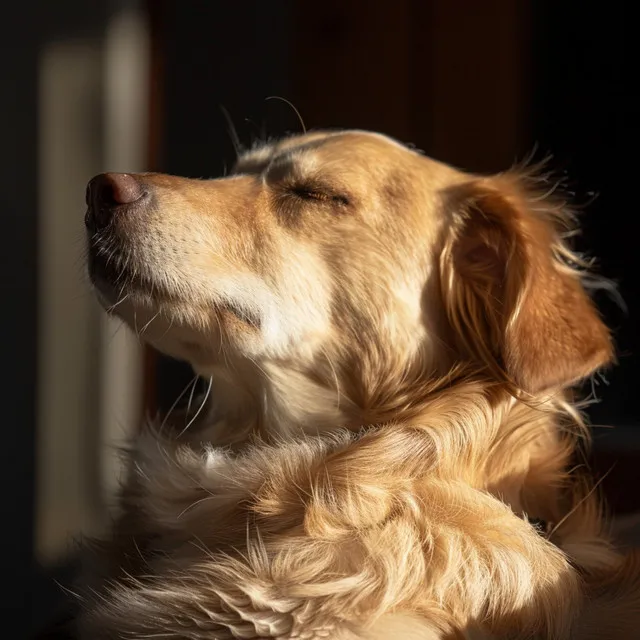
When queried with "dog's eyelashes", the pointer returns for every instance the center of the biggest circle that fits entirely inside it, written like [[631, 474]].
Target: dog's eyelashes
[[319, 195], [310, 194]]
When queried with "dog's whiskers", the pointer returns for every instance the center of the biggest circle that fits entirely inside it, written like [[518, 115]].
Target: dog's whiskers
[[232, 131], [117, 304], [202, 405], [146, 326], [304, 128], [174, 405], [193, 389]]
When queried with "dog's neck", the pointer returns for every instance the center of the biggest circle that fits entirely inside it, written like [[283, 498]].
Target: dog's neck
[[269, 401], [493, 440], [275, 402]]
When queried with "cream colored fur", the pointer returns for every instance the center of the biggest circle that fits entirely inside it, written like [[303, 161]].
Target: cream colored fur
[[390, 343]]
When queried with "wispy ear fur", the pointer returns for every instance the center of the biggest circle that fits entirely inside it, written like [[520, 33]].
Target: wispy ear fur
[[513, 290]]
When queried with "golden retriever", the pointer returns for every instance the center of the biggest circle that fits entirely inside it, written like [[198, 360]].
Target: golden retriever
[[386, 449]]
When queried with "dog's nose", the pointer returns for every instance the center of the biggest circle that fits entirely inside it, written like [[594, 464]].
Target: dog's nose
[[107, 191]]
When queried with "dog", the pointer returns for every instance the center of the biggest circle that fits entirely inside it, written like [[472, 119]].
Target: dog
[[387, 446]]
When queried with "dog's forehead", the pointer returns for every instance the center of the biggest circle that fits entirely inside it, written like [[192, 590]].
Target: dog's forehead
[[319, 143], [348, 139]]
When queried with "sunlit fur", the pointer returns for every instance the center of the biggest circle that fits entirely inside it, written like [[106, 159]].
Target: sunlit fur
[[390, 343]]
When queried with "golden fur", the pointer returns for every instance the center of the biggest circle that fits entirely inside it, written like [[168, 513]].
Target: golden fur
[[390, 343]]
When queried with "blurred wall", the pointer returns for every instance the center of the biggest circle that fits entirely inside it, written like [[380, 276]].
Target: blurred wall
[[77, 103]]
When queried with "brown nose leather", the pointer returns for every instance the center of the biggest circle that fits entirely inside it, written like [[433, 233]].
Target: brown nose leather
[[108, 191]]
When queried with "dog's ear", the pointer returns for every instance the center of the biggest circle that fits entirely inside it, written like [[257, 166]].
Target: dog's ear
[[513, 298]]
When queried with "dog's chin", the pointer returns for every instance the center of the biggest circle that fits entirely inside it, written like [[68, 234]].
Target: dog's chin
[[111, 295], [207, 336], [113, 282], [167, 327]]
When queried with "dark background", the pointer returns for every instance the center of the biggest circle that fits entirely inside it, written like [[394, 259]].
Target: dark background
[[474, 84]]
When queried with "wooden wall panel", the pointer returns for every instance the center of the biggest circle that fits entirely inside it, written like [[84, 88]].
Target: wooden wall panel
[[479, 82], [351, 64], [448, 75]]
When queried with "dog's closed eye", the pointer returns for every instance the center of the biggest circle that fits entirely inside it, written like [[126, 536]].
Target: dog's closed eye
[[319, 193]]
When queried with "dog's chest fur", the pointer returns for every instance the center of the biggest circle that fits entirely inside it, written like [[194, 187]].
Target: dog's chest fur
[[222, 521]]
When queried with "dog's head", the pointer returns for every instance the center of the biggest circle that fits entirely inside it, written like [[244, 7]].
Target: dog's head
[[345, 260]]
